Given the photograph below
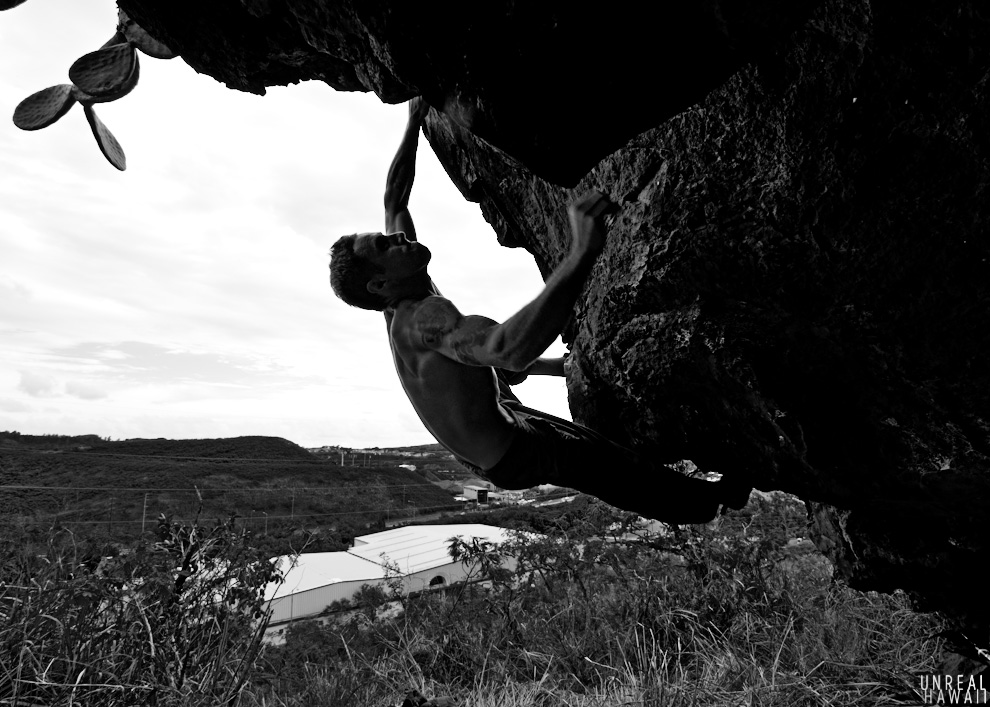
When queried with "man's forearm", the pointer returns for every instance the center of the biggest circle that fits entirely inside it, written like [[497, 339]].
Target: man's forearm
[[402, 174], [519, 341], [547, 367], [402, 171], [540, 367], [524, 336]]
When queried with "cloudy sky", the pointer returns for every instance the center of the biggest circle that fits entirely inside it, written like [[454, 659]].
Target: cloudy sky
[[188, 296]]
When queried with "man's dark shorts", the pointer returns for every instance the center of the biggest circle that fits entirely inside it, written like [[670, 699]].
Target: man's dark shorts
[[550, 450]]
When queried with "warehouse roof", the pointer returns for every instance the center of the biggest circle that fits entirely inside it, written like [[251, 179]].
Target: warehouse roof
[[420, 547], [413, 549]]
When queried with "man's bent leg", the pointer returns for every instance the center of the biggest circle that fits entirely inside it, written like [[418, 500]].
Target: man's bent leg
[[549, 450]]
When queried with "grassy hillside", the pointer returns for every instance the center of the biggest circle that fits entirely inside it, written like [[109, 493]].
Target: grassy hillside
[[728, 613], [105, 489]]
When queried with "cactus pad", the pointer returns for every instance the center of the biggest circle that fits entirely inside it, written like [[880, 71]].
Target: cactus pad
[[127, 87], [41, 109], [137, 36], [104, 72], [117, 38], [109, 146]]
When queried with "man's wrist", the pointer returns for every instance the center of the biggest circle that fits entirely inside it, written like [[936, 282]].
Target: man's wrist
[[583, 256]]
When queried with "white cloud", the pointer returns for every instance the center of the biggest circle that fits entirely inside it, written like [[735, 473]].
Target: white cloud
[[7, 405], [37, 385], [84, 391]]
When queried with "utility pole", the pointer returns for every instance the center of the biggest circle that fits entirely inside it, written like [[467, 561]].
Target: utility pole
[[144, 513], [292, 508]]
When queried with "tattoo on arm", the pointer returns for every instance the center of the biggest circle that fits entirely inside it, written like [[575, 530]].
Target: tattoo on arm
[[433, 325], [466, 347], [446, 330]]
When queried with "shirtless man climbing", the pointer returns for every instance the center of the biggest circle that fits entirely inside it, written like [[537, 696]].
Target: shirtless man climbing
[[453, 367]]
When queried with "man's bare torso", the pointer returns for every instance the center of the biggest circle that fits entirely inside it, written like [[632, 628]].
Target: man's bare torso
[[458, 404]]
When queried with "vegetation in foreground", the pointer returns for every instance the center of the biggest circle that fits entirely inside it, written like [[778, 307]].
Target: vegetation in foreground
[[171, 622], [592, 614]]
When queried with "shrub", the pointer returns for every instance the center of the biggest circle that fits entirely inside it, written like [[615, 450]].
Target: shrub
[[176, 621], [595, 611], [597, 614]]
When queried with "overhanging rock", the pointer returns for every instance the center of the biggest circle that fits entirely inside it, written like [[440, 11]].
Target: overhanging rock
[[556, 85]]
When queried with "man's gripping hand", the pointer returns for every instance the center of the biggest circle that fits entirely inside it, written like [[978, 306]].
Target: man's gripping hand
[[418, 109], [587, 217]]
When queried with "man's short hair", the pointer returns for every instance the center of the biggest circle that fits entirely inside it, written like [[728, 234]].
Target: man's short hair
[[350, 274]]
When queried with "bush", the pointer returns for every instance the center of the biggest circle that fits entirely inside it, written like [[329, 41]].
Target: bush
[[595, 612], [173, 622]]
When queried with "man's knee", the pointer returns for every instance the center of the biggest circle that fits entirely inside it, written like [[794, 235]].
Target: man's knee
[[512, 479]]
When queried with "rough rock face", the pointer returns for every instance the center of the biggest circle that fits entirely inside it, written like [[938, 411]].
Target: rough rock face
[[556, 86], [797, 289]]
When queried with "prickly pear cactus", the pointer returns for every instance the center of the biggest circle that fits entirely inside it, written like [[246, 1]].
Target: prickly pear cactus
[[107, 74]]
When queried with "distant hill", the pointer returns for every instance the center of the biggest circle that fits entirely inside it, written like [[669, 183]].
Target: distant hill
[[420, 449], [105, 489], [230, 448], [14, 439], [250, 447]]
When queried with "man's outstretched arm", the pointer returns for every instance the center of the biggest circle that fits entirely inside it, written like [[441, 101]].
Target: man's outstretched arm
[[547, 367], [519, 341], [540, 367], [402, 173]]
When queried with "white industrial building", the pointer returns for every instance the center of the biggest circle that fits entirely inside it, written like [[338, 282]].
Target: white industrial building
[[313, 581], [476, 493]]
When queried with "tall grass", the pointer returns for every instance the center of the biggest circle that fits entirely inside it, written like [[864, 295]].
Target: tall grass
[[171, 622], [592, 614]]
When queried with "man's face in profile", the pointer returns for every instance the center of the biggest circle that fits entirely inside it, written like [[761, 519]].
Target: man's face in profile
[[395, 255]]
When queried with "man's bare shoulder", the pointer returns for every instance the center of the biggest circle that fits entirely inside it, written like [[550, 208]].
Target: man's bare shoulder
[[435, 324], [424, 323]]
